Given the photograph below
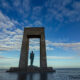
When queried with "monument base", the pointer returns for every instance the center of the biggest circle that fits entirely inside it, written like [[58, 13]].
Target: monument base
[[32, 69]]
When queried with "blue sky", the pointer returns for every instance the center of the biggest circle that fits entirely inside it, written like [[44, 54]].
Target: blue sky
[[61, 20]]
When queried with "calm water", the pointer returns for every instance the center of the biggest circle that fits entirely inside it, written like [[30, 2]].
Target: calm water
[[60, 74]]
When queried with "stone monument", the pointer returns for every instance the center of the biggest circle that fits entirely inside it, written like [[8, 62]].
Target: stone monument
[[33, 32]]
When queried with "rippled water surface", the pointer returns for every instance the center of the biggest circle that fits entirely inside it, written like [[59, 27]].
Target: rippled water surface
[[60, 74]]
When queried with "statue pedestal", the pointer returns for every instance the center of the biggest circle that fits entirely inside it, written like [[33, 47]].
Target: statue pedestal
[[32, 69]]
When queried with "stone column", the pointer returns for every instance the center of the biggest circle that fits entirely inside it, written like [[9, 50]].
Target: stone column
[[24, 52], [43, 62]]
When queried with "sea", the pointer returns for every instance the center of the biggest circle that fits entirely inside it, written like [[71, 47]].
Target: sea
[[60, 74]]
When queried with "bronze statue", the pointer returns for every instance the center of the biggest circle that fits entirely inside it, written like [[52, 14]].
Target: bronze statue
[[31, 58]]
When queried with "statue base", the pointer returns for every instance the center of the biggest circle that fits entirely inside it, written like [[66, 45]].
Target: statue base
[[32, 69]]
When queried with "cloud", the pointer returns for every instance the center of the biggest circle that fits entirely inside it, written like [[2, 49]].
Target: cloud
[[5, 21], [73, 46], [18, 31], [10, 35], [63, 10], [8, 32], [36, 13], [16, 3], [60, 57], [60, 10], [21, 7], [76, 5], [67, 45], [35, 45], [11, 43], [36, 48], [37, 24], [5, 4], [50, 48], [34, 41], [6, 62], [2, 57], [26, 5], [8, 58]]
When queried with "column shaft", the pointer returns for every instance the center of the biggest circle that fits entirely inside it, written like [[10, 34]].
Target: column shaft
[[43, 62], [24, 53]]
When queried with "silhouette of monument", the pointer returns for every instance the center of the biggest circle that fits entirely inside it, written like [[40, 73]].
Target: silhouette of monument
[[34, 32]]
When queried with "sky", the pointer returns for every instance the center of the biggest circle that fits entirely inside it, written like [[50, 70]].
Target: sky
[[61, 20]]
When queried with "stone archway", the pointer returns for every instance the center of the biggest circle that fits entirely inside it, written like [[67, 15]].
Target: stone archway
[[33, 33]]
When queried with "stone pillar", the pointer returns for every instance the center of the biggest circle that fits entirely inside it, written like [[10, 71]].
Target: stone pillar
[[43, 62], [24, 52]]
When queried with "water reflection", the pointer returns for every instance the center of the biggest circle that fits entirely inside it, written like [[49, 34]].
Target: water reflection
[[22, 76], [32, 76], [43, 76]]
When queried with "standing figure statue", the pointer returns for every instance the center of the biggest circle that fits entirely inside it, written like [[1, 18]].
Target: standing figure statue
[[31, 58]]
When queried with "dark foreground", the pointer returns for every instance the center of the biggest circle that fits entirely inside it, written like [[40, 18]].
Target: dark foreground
[[60, 74]]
